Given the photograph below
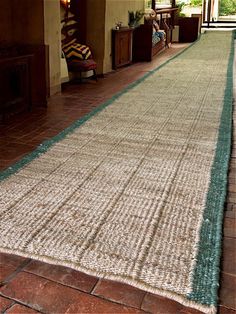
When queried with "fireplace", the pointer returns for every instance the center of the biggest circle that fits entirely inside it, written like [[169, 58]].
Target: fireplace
[[23, 78], [15, 84]]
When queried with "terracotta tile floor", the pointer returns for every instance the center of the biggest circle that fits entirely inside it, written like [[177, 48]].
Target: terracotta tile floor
[[29, 286]]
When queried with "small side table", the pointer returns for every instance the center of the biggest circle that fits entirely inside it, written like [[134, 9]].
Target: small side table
[[121, 47]]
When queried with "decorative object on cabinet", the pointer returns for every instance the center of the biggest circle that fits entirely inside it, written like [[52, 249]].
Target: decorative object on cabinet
[[118, 25], [121, 47]]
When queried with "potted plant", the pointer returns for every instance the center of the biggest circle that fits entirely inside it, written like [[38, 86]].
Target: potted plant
[[135, 17], [180, 7]]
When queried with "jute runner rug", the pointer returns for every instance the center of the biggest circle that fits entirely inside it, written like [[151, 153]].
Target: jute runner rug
[[135, 192]]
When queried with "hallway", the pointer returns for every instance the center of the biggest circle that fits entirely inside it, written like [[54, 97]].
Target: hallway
[[29, 286]]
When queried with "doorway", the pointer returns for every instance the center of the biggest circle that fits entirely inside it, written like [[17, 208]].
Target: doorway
[[221, 13]]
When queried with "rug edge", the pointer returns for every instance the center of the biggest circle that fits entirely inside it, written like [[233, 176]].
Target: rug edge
[[217, 231], [160, 292]]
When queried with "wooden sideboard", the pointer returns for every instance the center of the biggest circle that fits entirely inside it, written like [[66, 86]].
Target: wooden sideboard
[[15, 92], [24, 77], [39, 73], [121, 47]]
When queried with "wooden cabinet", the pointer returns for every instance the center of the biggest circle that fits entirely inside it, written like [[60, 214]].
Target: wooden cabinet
[[24, 77], [15, 84], [121, 47], [188, 29]]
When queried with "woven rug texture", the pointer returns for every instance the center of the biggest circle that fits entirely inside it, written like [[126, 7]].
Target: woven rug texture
[[124, 193]]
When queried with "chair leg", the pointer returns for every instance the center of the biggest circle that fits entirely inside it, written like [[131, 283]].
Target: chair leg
[[95, 75]]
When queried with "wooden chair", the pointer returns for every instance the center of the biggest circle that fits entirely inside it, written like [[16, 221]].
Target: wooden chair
[[70, 30], [80, 66]]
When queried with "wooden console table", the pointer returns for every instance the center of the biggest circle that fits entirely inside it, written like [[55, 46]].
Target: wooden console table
[[121, 47]]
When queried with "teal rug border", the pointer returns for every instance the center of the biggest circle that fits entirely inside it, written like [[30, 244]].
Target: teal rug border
[[207, 270], [46, 145]]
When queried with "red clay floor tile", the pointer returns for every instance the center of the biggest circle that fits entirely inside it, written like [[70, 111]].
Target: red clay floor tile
[[228, 291], [63, 275], [49, 297], [20, 309], [230, 228], [225, 310], [187, 310], [232, 188], [158, 305], [5, 304], [232, 196], [230, 213], [119, 292], [8, 264], [229, 256]]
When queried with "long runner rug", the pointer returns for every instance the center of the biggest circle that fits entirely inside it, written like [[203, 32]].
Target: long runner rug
[[135, 193]]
